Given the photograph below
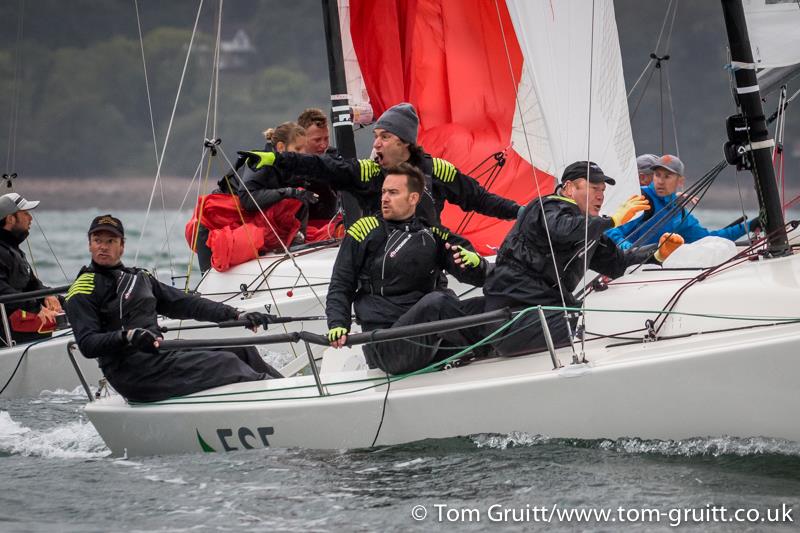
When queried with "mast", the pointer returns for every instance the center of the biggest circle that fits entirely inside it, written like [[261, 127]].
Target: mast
[[341, 113], [750, 146]]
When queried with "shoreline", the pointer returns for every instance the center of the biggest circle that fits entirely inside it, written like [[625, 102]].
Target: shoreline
[[75, 194], [133, 193]]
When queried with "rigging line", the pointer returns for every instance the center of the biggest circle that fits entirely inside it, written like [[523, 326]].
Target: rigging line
[[671, 210], [215, 71], [672, 114], [741, 202], [736, 259], [169, 131], [530, 154], [641, 94], [663, 25], [650, 60], [588, 169], [55, 256], [494, 172], [146, 81], [777, 150], [265, 272], [272, 228], [153, 131], [661, 104], [202, 186], [644, 71], [11, 155], [671, 26], [700, 188], [183, 202]]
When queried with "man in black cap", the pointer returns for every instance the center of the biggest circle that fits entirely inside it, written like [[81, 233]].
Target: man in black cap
[[29, 320], [541, 260], [395, 143], [114, 309]]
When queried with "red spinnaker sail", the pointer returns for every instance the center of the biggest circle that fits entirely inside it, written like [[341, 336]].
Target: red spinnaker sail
[[458, 62]]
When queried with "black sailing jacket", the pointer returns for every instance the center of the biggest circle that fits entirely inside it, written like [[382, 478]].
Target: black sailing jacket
[[16, 274], [524, 271], [364, 178], [384, 267], [103, 302]]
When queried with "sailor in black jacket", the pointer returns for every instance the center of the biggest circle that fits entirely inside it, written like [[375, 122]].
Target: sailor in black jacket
[[113, 310], [16, 274], [395, 142], [525, 272], [388, 268]]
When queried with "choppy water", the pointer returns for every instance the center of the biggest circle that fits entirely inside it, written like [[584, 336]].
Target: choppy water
[[57, 475]]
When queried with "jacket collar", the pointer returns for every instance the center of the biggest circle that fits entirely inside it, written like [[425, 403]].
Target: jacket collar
[[9, 238]]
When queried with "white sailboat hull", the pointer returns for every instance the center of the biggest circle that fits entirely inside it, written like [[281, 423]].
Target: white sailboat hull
[[47, 367], [734, 384]]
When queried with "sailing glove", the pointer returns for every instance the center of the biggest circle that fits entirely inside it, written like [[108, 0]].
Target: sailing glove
[[468, 258], [668, 243], [755, 225], [334, 334], [628, 210], [255, 319], [303, 195], [142, 339], [258, 160], [368, 169]]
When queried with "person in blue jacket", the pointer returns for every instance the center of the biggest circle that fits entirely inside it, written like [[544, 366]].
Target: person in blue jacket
[[662, 194]]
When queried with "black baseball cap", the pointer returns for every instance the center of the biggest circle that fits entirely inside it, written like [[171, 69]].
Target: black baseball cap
[[577, 170], [107, 223]]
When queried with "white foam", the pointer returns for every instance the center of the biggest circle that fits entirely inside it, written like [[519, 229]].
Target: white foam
[[77, 392], [501, 442], [699, 446], [75, 440], [714, 446]]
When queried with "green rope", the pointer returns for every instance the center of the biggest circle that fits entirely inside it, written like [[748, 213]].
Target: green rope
[[436, 366]]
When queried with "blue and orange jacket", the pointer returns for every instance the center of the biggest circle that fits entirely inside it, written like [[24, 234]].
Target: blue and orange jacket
[[657, 221]]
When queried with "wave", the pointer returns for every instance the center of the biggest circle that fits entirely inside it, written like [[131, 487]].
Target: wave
[[75, 440], [693, 447]]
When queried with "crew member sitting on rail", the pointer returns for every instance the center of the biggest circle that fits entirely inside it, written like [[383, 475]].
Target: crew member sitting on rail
[[662, 196], [33, 319], [527, 274], [114, 311], [388, 268]]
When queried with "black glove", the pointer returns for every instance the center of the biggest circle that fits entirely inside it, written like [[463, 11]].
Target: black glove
[[303, 195], [255, 319], [141, 339], [755, 225]]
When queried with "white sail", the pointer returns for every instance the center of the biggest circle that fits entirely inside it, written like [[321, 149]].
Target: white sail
[[567, 115], [774, 30]]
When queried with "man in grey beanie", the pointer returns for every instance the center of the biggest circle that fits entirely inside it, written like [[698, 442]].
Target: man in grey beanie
[[395, 143]]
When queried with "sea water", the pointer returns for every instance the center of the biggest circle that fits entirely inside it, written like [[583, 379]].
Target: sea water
[[57, 475]]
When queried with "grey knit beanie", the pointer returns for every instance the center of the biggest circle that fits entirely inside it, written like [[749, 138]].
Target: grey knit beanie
[[402, 120]]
